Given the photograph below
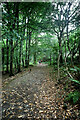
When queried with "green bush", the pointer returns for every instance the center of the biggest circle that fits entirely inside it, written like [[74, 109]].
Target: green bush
[[73, 96], [76, 71]]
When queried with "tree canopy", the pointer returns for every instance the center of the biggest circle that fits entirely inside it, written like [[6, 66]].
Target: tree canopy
[[30, 32]]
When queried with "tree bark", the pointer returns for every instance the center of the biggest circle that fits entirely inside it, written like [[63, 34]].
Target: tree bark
[[23, 30], [20, 52], [58, 67], [17, 21], [19, 64], [35, 53], [34, 57], [60, 50], [11, 51], [50, 58], [11, 57], [67, 23], [11, 44], [65, 54], [7, 69], [7, 51], [29, 47], [26, 60], [2, 59]]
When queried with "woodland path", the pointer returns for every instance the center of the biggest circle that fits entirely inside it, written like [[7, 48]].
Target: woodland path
[[34, 95]]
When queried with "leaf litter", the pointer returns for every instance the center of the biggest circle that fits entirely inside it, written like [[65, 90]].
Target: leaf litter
[[35, 95]]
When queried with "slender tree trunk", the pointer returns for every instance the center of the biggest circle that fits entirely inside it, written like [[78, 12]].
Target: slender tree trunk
[[23, 30], [68, 41], [7, 51], [21, 42], [60, 50], [34, 57], [19, 64], [11, 45], [11, 57], [7, 69], [17, 20], [22, 62], [15, 63], [65, 55], [3, 59], [53, 59], [11, 51], [29, 46], [50, 58], [35, 53], [26, 60], [58, 66]]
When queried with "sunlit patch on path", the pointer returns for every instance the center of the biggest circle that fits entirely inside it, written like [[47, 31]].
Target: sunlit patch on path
[[41, 65]]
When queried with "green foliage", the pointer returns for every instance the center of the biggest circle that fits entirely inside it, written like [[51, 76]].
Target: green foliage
[[75, 69], [73, 96], [76, 81], [45, 26]]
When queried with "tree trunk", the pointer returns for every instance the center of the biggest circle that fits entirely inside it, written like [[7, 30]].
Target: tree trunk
[[23, 30], [65, 54], [58, 66], [29, 47], [53, 59], [50, 58], [11, 51], [7, 51], [22, 62], [11, 57], [60, 50], [17, 20], [34, 57], [19, 64], [26, 60], [7, 69], [11, 44], [3, 59], [15, 63], [68, 40], [20, 53], [35, 54]]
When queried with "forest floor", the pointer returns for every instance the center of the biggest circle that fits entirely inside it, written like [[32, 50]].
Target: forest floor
[[36, 94]]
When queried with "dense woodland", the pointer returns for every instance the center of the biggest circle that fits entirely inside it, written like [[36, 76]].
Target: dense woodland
[[47, 31]]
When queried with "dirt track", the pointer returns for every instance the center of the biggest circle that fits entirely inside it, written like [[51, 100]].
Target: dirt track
[[34, 95]]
